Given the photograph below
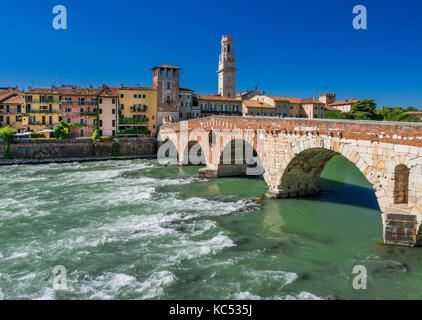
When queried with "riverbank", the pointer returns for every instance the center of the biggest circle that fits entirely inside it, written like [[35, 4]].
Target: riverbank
[[8, 162], [80, 150]]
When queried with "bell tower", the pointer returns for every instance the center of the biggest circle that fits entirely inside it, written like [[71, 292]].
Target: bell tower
[[227, 69]]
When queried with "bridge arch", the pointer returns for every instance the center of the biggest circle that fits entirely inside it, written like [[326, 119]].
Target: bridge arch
[[301, 167]]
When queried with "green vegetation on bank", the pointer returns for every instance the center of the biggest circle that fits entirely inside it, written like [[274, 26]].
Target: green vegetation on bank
[[6, 134], [62, 130], [367, 110]]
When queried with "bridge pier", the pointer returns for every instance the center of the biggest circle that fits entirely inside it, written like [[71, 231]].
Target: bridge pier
[[307, 190], [400, 229], [223, 170]]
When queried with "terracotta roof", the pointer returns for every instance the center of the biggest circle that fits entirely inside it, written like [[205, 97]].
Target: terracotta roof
[[415, 113], [310, 100], [42, 91], [78, 91], [243, 93], [288, 99], [11, 95], [166, 66], [109, 91], [343, 102], [138, 88], [257, 104], [185, 89], [216, 98], [295, 100], [331, 108]]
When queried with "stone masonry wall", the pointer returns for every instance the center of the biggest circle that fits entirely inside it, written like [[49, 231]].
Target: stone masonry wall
[[74, 148]]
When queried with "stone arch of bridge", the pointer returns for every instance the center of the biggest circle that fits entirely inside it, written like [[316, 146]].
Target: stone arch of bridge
[[300, 171]]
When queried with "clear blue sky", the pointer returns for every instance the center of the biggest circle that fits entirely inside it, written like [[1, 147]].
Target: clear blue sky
[[291, 48]]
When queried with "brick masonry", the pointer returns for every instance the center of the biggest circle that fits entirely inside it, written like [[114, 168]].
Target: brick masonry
[[295, 151]]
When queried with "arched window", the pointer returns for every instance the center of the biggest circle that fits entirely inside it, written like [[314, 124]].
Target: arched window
[[401, 184]]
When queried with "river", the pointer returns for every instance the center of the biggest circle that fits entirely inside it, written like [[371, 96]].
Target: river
[[139, 230]]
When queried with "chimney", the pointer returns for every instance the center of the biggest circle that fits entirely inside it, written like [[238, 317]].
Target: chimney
[[121, 85]]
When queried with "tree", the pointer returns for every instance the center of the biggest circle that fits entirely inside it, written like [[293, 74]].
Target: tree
[[365, 110], [333, 114], [61, 130], [6, 134], [406, 117], [412, 109], [96, 133]]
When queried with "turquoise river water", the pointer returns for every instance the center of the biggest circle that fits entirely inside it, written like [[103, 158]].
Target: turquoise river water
[[140, 230]]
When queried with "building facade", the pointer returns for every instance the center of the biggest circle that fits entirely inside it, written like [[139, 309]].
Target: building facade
[[109, 116], [11, 101], [287, 107], [79, 109], [344, 105], [166, 83], [42, 109], [227, 69], [138, 110], [216, 105], [186, 110]]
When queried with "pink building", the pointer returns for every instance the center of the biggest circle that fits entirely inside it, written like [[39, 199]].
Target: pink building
[[79, 107]]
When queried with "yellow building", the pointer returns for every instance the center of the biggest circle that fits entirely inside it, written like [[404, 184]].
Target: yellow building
[[42, 109], [289, 107], [138, 110]]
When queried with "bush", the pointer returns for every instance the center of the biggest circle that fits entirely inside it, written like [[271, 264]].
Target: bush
[[61, 130], [95, 135], [333, 114], [35, 135], [6, 134]]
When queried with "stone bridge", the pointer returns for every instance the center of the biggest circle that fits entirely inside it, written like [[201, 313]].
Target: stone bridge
[[294, 153]]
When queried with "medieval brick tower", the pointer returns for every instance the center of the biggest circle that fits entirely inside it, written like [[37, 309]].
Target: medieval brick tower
[[166, 82], [227, 69]]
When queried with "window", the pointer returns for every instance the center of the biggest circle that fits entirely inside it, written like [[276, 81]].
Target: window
[[113, 123], [113, 101], [122, 106], [81, 110], [135, 96], [81, 121], [100, 101], [81, 132], [168, 85], [101, 123], [401, 184], [144, 96], [113, 133], [101, 111], [113, 111], [68, 120], [153, 117], [122, 95]]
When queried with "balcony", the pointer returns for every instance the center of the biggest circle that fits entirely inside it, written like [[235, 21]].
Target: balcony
[[133, 121], [43, 101], [79, 103], [79, 114], [42, 111], [138, 109]]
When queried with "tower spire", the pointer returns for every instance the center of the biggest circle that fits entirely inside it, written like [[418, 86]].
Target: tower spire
[[227, 69]]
